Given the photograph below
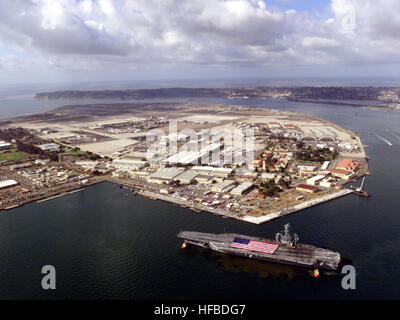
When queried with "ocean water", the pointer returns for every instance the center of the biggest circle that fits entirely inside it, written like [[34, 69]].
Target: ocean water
[[106, 243]]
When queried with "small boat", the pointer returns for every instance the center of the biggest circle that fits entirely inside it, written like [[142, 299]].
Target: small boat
[[359, 191]]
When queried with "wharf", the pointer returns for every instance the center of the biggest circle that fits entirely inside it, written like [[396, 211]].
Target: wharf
[[247, 218], [52, 194], [60, 195], [228, 214], [187, 204], [298, 207]]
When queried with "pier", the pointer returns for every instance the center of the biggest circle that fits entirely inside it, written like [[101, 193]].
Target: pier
[[298, 207], [60, 195], [247, 218], [187, 204]]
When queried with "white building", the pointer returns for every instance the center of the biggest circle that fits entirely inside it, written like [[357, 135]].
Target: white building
[[164, 175], [4, 145], [315, 180], [7, 183], [208, 170], [325, 165], [129, 164], [327, 182], [49, 147], [308, 168], [186, 177], [222, 186], [242, 188], [42, 162], [87, 165]]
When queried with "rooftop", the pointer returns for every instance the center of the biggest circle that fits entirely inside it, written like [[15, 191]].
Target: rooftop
[[7, 183], [166, 173], [304, 186]]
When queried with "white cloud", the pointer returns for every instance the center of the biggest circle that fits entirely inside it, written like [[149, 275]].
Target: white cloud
[[319, 43], [123, 35]]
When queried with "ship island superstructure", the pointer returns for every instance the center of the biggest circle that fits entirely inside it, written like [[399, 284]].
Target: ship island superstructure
[[284, 249]]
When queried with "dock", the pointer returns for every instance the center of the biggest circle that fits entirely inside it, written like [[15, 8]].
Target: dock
[[60, 195], [298, 207], [233, 215]]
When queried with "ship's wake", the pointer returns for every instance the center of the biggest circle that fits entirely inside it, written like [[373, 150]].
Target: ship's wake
[[382, 138], [393, 134]]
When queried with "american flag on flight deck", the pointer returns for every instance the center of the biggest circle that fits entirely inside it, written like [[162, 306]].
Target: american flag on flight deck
[[253, 245]]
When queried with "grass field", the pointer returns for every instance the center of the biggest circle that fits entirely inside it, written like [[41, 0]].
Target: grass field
[[12, 156], [314, 163], [77, 153]]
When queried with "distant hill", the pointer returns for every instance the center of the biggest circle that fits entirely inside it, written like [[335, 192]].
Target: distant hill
[[383, 94]]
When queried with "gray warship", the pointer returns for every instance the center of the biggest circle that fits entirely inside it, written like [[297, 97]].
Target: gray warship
[[284, 249]]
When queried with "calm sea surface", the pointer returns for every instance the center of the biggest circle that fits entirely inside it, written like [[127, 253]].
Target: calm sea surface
[[106, 243]]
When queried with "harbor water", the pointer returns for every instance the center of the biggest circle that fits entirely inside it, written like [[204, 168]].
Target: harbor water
[[106, 243]]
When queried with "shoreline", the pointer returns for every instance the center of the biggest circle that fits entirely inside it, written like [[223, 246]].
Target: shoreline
[[228, 214], [51, 195], [196, 208], [65, 190], [247, 218], [60, 195]]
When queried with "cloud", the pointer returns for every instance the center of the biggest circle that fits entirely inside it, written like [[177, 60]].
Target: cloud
[[319, 43], [121, 35]]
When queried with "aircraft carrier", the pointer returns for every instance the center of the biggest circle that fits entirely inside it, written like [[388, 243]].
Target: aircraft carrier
[[285, 249]]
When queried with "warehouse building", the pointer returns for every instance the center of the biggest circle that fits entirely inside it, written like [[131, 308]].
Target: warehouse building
[[306, 188], [348, 165], [7, 183], [186, 177], [164, 175], [222, 186], [208, 170], [49, 147], [205, 179], [21, 165], [245, 174], [315, 180], [4, 145], [342, 174], [129, 164], [242, 188], [325, 165], [327, 182], [307, 168]]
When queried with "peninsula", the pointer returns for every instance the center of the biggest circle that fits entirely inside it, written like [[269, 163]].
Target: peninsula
[[371, 97], [297, 160]]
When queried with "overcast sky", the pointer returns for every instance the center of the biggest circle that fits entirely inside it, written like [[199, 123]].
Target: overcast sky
[[74, 40]]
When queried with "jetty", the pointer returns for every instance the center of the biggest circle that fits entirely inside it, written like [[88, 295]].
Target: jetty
[[60, 195]]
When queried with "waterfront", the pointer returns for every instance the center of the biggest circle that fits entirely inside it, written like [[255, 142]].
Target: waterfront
[[107, 243]]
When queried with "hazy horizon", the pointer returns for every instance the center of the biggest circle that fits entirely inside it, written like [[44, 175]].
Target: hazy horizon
[[9, 89]]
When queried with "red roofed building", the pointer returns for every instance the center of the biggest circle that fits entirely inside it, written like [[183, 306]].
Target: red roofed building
[[274, 124], [258, 163], [306, 188], [348, 165]]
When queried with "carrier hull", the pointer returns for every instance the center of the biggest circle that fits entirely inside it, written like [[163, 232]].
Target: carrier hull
[[302, 255]]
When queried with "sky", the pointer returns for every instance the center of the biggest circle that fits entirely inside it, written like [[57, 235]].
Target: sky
[[119, 40]]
